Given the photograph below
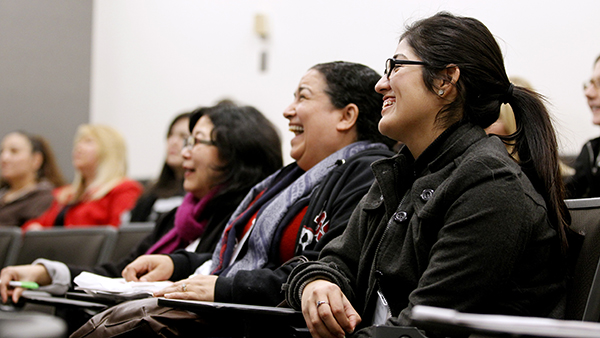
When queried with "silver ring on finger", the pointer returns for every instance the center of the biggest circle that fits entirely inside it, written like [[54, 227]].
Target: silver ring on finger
[[321, 302], [184, 287]]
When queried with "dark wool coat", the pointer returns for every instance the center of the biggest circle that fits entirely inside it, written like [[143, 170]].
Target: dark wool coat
[[461, 227]]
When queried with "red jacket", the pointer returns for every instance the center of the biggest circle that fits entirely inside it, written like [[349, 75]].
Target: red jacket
[[104, 211]]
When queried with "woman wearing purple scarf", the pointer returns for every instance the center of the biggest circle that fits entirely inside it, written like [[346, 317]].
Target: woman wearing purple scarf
[[230, 149]]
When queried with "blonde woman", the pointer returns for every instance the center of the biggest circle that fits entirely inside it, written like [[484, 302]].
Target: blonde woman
[[100, 192]]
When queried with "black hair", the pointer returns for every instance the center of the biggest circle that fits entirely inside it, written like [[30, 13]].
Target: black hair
[[169, 183], [444, 40], [248, 144], [349, 82]]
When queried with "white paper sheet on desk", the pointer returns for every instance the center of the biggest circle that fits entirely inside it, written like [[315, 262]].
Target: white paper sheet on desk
[[90, 282]]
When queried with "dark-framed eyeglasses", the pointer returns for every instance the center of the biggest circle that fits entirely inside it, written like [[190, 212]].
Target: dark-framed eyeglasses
[[191, 141], [591, 83], [392, 63]]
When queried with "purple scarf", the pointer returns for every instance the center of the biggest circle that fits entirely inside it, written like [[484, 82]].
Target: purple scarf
[[187, 225]]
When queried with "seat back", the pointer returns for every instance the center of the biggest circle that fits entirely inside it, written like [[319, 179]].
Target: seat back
[[10, 241], [85, 246], [583, 299], [128, 237]]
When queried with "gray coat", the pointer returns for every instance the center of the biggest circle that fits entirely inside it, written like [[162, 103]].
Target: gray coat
[[461, 227]]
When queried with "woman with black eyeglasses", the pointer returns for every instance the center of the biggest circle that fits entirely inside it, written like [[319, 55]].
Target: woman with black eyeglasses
[[586, 180], [451, 221]]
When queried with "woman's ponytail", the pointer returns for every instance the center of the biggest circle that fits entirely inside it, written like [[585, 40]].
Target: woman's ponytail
[[535, 143]]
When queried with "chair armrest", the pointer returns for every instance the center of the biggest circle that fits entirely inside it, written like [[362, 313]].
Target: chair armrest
[[451, 321], [256, 320], [60, 302]]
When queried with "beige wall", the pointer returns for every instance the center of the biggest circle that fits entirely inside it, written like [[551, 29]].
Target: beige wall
[[153, 59], [45, 57]]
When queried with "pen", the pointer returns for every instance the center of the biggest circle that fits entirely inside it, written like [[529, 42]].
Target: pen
[[25, 285]]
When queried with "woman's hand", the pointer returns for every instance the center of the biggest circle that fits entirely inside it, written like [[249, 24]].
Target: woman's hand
[[26, 273], [327, 311], [149, 268], [199, 287]]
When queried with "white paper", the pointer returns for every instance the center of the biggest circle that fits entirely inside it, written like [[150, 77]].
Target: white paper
[[95, 283]]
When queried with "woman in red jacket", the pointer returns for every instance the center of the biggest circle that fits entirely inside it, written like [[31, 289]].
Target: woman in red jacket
[[100, 192]]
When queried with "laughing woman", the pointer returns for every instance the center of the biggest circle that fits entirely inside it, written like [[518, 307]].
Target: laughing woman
[[452, 221]]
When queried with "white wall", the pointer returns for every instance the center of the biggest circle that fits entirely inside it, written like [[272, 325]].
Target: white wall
[[153, 59]]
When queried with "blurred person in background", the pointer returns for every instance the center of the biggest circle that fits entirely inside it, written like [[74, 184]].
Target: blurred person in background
[[585, 183], [506, 125], [28, 173], [100, 191], [167, 191]]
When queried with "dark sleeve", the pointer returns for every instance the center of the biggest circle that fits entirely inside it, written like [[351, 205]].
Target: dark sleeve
[[256, 287], [345, 189], [113, 269], [185, 263], [577, 184], [143, 208]]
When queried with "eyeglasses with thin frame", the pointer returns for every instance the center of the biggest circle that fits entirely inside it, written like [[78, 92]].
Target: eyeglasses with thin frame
[[591, 83], [391, 63], [191, 141]]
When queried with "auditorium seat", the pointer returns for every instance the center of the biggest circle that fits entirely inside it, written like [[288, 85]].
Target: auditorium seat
[[128, 237], [10, 241], [85, 246]]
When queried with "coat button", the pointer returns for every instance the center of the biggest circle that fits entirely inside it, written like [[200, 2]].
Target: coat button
[[400, 216], [426, 194]]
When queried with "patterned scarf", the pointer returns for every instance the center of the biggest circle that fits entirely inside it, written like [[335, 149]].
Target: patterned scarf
[[272, 206], [188, 225]]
